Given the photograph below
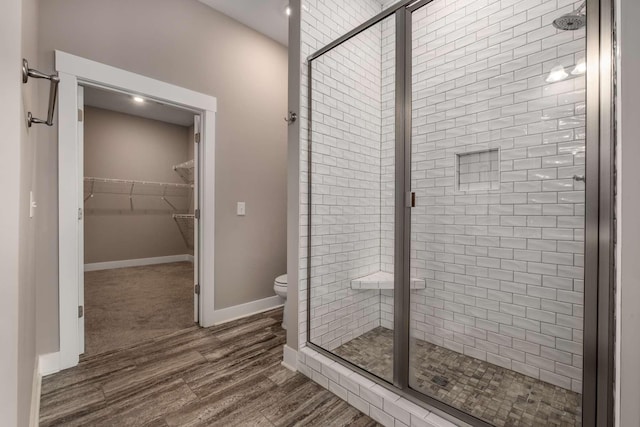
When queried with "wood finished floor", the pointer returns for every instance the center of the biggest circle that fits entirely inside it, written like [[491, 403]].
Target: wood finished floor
[[229, 375]]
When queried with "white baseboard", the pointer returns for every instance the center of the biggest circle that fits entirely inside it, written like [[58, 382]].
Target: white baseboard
[[243, 310], [290, 358], [34, 414], [110, 265], [49, 364]]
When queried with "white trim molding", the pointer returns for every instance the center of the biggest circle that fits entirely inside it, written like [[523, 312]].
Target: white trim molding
[[140, 262], [34, 414], [290, 358], [75, 72], [98, 74], [247, 309], [48, 364]]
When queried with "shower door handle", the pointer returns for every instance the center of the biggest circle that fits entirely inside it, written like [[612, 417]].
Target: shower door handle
[[410, 199]]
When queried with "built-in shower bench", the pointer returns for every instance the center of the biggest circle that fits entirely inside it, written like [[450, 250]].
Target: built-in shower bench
[[382, 280]]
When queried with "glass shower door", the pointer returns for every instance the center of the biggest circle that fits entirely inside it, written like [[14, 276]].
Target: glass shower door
[[497, 232], [352, 176]]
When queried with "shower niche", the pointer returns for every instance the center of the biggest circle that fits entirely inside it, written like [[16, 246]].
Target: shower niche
[[477, 171], [446, 229]]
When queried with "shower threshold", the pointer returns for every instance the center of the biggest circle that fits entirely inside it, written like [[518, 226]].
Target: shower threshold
[[497, 395]]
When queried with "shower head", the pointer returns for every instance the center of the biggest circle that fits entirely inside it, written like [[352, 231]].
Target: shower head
[[571, 21]]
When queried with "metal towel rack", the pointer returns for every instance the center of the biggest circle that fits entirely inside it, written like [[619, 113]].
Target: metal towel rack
[[53, 92]]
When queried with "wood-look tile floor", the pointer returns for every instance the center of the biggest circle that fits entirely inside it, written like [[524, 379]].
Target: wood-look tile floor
[[228, 375], [126, 306]]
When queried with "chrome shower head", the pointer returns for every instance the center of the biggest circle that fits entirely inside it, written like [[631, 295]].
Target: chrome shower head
[[571, 21]]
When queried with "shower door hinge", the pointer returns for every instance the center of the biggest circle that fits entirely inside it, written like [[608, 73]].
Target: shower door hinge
[[80, 115], [197, 214], [197, 289], [79, 214], [80, 311], [410, 199], [197, 138]]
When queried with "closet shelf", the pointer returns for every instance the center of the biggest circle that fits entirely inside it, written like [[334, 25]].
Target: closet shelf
[[185, 224], [170, 193], [186, 170], [135, 188]]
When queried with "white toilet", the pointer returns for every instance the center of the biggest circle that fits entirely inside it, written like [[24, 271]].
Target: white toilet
[[280, 287]]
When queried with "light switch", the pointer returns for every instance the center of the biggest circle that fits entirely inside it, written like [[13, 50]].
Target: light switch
[[242, 209]]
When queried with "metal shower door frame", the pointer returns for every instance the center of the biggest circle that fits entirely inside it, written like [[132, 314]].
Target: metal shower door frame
[[598, 365]]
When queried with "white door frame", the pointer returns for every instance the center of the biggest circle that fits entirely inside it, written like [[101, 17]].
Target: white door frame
[[73, 71]]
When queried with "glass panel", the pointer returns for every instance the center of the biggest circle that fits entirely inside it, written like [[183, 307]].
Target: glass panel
[[352, 202], [498, 144]]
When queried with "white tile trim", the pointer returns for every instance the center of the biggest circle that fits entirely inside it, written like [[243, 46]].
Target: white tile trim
[[381, 404], [49, 363], [243, 310], [290, 358], [110, 265]]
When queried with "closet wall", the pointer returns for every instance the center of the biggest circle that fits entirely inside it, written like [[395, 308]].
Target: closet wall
[[122, 146]]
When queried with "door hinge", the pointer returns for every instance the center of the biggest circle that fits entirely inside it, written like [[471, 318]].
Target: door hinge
[[197, 289], [197, 214], [80, 311], [197, 137], [79, 214], [80, 115], [410, 199]]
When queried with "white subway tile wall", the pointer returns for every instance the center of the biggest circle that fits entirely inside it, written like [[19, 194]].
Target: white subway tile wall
[[504, 270]]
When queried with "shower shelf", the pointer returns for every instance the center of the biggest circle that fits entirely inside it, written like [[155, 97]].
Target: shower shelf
[[382, 280], [185, 170]]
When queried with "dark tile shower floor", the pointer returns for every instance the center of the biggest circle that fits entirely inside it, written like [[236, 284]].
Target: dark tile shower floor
[[497, 395]]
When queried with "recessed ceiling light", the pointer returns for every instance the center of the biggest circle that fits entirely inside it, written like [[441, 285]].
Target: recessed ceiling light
[[138, 99]]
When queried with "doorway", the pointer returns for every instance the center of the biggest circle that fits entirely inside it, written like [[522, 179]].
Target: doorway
[[76, 75], [139, 224]]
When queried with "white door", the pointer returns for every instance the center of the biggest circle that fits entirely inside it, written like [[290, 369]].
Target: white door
[[197, 132], [81, 220]]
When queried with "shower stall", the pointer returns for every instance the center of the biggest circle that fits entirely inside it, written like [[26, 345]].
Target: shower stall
[[454, 185]]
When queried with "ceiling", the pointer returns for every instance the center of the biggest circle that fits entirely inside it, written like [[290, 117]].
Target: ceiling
[[124, 103], [265, 16]]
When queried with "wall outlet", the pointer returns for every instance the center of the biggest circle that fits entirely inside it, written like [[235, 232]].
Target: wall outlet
[[242, 209]]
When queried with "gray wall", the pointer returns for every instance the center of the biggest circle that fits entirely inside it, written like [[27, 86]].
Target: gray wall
[[122, 146], [628, 363], [18, 24], [191, 45], [293, 177]]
